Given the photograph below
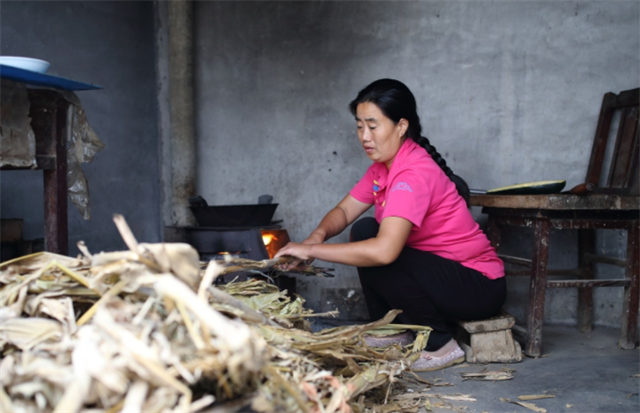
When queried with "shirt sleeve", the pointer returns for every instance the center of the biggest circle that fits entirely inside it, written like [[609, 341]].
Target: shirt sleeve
[[408, 197], [363, 190]]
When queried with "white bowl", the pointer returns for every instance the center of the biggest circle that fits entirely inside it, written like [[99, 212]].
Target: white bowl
[[26, 63]]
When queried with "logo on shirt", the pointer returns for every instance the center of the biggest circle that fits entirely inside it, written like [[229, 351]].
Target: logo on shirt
[[402, 186]]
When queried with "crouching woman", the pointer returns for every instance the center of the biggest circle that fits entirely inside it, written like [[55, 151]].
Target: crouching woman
[[422, 253]]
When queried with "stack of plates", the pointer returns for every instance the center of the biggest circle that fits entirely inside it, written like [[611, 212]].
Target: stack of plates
[[26, 63]]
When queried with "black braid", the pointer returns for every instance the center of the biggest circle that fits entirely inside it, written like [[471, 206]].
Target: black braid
[[431, 150], [461, 185], [397, 102]]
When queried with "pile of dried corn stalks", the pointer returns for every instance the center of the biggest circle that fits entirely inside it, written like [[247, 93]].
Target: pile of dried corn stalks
[[146, 330]]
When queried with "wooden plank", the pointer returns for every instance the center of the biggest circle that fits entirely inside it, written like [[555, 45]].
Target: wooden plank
[[558, 202], [632, 291], [509, 217], [563, 219], [594, 170], [633, 179], [610, 103], [623, 153], [495, 235], [586, 247], [626, 98], [590, 224], [538, 285], [605, 260], [587, 283], [523, 262], [571, 272]]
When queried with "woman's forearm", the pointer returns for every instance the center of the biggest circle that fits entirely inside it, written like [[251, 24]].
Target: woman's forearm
[[336, 220], [368, 253], [383, 249], [331, 225]]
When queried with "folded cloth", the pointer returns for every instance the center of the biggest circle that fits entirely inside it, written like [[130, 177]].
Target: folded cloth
[[427, 362], [404, 339]]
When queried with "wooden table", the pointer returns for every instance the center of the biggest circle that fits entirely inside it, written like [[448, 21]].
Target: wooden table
[[50, 116], [51, 122], [585, 213], [556, 202]]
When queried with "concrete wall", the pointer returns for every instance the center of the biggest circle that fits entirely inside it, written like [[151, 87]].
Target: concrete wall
[[110, 44], [508, 91]]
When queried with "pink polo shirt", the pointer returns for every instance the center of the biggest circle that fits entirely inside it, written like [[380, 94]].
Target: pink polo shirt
[[417, 189]]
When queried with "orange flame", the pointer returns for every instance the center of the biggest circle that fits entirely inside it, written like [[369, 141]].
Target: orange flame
[[267, 238]]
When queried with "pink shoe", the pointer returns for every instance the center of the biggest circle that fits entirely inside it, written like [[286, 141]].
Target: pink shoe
[[427, 362], [404, 339]]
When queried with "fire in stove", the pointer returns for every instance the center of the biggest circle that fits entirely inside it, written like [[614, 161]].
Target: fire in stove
[[267, 238], [274, 239]]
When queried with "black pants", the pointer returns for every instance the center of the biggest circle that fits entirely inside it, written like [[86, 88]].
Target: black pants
[[430, 290]]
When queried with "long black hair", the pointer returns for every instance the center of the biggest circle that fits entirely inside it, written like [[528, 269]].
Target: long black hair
[[396, 102]]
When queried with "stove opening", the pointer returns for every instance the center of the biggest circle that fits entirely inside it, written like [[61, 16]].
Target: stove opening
[[274, 239]]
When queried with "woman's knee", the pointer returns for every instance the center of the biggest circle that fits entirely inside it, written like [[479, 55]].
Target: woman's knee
[[364, 228]]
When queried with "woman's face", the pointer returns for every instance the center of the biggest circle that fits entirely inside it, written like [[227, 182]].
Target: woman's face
[[379, 136]]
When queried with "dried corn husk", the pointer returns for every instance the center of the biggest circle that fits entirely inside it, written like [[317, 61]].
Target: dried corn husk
[[144, 330], [233, 264], [489, 375]]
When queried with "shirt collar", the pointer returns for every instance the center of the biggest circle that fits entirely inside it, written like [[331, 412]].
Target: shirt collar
[[382, 173]]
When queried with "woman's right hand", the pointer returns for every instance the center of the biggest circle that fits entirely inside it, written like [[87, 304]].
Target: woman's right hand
[[332, 224], [314, 238]]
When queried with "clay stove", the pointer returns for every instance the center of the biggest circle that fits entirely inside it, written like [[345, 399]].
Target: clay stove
[[243, 231]]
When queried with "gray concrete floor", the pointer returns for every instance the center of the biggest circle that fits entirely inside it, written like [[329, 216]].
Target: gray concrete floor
[[586, 372]]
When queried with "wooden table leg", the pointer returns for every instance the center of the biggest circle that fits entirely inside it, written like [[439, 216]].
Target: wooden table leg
[[535, 315], [586, 246], [494, 233], [48, 114], [632, 292], [55, 210]]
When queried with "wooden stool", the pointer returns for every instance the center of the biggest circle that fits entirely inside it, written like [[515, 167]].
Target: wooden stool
[[490, 340]]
